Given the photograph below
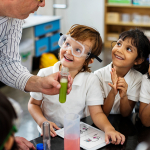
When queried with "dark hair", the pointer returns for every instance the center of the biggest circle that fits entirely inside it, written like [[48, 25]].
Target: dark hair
[[7, 115], [141, 42], [83, 33]]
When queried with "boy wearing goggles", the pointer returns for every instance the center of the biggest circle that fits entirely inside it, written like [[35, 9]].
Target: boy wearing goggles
[[78, 49]]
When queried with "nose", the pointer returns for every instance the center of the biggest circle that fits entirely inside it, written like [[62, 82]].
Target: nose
[[120, 49], [42, 4], [68, 51]]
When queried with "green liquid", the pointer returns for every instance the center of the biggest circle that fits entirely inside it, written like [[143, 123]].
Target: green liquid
[[63, 90]]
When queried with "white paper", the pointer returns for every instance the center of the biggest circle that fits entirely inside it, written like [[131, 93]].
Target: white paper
[[90, 137]]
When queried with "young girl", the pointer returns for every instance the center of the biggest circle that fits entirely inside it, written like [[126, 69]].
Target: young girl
[[78, 47], [144, 111], [120, 81]]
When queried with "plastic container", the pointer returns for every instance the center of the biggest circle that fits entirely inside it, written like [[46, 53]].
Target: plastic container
[[145, 19], [72, 132], [39, 146], [64, 83], [136, 18], [25, 51], [125, 17]]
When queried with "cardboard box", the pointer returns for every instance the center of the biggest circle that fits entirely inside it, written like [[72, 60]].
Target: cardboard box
[[112, 17], [120, 1], [112, 36]]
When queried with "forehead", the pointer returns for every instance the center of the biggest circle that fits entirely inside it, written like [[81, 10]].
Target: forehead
[[129, 41]]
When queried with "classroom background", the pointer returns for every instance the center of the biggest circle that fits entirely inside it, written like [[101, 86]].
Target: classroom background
[[39, 47]]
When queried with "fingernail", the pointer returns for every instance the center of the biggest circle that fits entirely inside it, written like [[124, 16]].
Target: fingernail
[[58, 86]]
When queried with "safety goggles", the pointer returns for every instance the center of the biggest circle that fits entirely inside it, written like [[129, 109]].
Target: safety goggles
[[77, 49]]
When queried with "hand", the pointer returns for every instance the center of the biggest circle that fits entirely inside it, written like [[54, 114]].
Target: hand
[[114, 79], [115, 136], [52, 131], [23, 144], [122, 86], [50, 84]]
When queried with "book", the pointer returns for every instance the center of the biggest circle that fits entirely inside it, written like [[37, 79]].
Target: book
[[91, 138]]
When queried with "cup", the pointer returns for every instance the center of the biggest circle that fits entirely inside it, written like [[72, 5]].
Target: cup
[[72, 132]]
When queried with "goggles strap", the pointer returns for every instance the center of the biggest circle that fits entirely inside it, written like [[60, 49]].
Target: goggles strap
[[92, 55], [13, 129]]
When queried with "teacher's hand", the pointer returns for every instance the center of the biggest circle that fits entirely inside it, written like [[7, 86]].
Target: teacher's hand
[[47, 85], [23, 144]]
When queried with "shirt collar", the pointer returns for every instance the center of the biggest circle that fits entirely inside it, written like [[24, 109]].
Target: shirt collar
[[78, 78], [127, 77]]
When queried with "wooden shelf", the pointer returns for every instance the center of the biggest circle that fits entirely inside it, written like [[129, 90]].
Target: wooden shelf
[[118, 27], [125, 5], [128, 24]]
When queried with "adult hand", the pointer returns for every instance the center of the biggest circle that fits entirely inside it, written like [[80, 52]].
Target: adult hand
[[23, 144], [47, 85]]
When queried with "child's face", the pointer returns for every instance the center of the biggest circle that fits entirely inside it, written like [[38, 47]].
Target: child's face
[[124, 53], [72, 62]]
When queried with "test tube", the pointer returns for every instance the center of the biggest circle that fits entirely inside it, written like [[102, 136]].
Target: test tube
[[46, 136], [64, 83]]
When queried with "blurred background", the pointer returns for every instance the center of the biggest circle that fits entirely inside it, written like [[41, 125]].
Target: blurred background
[[39, 47]]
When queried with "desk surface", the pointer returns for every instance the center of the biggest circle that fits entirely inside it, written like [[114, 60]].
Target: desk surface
[[34, 20], [134, 134]]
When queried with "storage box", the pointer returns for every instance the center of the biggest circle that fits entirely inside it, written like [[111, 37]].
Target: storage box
[[112, 36], [112, 17], [141, 2], [120, 1], [25, 51]]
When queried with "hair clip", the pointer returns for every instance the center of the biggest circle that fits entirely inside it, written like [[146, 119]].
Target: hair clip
[[40, 1]]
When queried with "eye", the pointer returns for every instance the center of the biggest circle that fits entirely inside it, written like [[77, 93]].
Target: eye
[[78, 50], [129, 49], [67, 44], [118, 44]]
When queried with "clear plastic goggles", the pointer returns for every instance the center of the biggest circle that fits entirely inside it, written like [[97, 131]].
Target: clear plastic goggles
[[78, 50]]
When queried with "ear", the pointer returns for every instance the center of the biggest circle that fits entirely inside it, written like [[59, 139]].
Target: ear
[[91, 61], [138, 61]]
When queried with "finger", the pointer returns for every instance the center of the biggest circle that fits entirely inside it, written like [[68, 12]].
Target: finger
[[106, 139], [118, 138], [28, 144], [69, 90], [55, 126], [122, 89], [53, 131], [122, 139], [121, 85], [56, 84], [52, 134], [113, 139], [111, 85]]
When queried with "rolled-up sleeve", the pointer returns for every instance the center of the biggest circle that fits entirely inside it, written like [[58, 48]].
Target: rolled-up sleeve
[[12, 73]]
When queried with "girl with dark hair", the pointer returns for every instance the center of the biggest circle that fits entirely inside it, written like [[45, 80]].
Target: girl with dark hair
[[7, 127], [120, 81]]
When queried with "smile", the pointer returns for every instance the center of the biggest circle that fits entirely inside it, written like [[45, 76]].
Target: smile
[[66, 58], [118, 57]]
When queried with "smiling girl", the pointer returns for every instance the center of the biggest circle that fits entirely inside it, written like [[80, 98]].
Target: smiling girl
[[120, 81], [78, 49]]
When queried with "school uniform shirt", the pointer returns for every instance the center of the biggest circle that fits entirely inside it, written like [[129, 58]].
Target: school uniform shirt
[[85, 92], [12, 73], [133, 79], [145, 90]]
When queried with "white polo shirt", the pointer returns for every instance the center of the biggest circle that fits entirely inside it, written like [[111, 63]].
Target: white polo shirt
[[85, 92], [145, 90], [133, 79]]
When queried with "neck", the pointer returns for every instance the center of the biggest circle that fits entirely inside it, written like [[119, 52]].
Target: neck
[[121, 71]]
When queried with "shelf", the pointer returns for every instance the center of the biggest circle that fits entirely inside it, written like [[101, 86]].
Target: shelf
[[128, 24], [125, 5]]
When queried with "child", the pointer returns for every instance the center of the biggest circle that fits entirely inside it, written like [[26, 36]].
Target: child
[[78, 47], [144, 111], [120, 81]]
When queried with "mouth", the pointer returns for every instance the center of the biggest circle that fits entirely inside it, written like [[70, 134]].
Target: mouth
[[118, 57], [68, 59]]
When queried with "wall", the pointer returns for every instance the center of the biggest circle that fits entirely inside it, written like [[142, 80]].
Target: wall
[[87, 12]]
